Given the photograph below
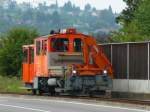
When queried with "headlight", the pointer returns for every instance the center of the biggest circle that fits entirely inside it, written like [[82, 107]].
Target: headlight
[[74, 71], [105, 71]]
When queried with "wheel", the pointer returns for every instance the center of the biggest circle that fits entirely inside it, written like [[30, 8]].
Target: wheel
[[40, 92], [34, 91], [52, 91], [108, 94], [91, 94]]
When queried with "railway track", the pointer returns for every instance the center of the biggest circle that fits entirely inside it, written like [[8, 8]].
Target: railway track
[[115, 100]]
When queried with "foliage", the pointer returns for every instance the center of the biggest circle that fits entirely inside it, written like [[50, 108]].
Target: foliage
[[127, 14], [11, 51], [48, 17], [11, 85], [87, 7], [142, 19], [138, 26]]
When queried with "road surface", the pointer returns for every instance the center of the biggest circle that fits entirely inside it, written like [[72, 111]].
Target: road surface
[[29, 104]]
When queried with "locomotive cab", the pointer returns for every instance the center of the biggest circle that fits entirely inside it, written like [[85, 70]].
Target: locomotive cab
[[70, 62]]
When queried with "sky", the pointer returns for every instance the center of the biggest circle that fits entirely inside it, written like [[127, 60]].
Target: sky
[[117, 5]]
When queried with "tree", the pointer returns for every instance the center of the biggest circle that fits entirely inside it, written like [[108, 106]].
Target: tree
[[87, 7], [11, 51], [142, 19], [68, 6], [56, 20], [45, 17], [107, 19], [136, 27], [127, 14]]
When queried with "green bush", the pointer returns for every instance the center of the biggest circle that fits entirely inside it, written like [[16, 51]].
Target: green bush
[[11, 85], [11, 49]]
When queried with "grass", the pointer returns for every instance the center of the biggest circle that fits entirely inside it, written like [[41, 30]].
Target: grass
[[11, 85]]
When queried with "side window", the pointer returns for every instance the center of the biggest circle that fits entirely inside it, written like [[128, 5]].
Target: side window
[[60, 44], [44, 46], [38, 48], [31, 55], [25, 55], [77, 45]]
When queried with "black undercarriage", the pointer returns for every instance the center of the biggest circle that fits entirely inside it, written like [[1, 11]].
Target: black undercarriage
[[74, 85]]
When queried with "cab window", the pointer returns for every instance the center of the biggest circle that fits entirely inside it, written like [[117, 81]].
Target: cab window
[[31, 55], [59, 44], [38, 47], [77, 45], [44, 47], [25, 55]]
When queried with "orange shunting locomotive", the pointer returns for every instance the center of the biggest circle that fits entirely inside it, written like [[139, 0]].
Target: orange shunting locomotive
[[66, 62]]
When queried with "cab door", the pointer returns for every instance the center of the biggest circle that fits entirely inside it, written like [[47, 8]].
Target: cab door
[[25, 64], [31, 64]]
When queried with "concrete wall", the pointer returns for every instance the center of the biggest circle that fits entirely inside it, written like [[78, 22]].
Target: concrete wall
[[131, 86]]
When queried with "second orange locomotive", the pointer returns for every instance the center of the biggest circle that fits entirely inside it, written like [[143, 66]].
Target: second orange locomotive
[[66, 62]]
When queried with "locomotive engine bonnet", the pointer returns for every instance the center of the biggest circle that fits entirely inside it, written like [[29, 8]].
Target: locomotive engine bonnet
[[67, 61]]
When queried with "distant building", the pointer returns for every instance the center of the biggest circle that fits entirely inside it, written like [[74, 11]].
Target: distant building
[[4, 3]]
